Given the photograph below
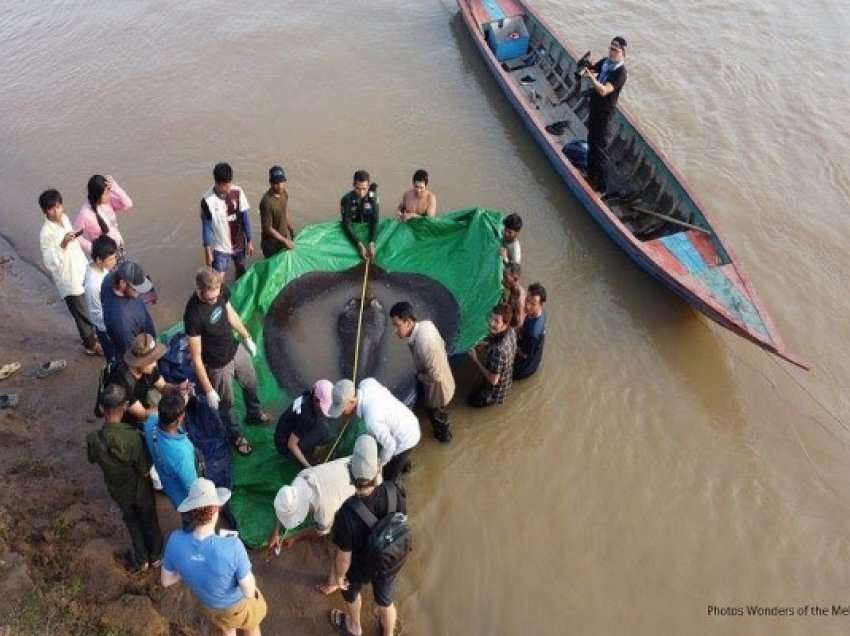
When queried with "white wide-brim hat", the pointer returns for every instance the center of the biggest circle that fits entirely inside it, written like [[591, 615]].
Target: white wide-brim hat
[[292, 503], [203, 493]]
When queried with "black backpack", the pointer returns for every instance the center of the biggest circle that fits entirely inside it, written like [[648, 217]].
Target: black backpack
[[390, 538]]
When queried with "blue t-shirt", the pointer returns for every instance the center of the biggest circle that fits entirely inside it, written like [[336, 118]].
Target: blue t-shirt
[[530, 342], [174, 458], [211, 568], [124, 318]]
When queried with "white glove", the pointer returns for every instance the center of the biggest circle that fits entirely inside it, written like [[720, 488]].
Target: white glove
[[213, 399], [250, 345]]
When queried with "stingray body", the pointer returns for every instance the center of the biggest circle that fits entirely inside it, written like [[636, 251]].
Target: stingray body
[[311, 328], [372, 331]]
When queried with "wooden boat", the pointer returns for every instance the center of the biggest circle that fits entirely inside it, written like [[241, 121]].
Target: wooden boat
[[653, 216]]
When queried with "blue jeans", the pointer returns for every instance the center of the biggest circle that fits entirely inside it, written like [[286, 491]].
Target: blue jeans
[[106, 345]]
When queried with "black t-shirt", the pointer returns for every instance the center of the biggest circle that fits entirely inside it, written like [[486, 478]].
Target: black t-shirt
[[350, 533], [137, 389], [218, 345], [305, 421], [603, 107]]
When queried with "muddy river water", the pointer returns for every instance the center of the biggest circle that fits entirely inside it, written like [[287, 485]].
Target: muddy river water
[[656, 465]]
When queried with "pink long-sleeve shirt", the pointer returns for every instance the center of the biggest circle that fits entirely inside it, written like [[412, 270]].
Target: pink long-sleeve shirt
[[86, 220]]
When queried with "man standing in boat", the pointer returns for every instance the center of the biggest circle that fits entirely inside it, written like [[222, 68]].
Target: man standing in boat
[[608, 76]]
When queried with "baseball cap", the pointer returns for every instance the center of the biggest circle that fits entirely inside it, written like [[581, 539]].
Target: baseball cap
[[276, 174], [343, 392], [323, 392], [364, 459], [133, 274]]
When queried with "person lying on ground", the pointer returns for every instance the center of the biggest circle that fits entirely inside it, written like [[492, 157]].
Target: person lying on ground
[[125, 314], [431, 363], [531, 336], [119, 450], [303, 426], [67, 263], [498, 353], [226, 223], [386, 418], [361, 205], [352, 568], [218, 358], [511, 251], [104, 253], [97, 215], [317, 491], [419, 200], [138, 374], [216, 569], [277, 233]]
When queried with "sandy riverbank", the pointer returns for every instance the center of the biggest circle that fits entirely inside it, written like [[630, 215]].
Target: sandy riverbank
[[63, 548]]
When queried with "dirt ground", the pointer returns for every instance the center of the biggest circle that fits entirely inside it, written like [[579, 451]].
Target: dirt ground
[[63, 548]]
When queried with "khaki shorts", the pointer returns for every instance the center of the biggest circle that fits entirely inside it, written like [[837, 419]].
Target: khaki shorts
[[247, 613]]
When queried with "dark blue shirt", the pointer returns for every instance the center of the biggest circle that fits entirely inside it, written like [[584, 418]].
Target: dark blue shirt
[[530, 343], [124, 318]]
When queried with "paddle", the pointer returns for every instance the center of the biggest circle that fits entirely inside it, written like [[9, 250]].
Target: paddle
[[669, 219]]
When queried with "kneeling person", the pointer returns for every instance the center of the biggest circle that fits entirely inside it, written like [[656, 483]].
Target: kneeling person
[[318, 491], [387, 419], [303, 427]]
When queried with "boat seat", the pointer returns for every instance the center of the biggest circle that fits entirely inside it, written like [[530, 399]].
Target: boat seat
[[626, 156], [666, 204]]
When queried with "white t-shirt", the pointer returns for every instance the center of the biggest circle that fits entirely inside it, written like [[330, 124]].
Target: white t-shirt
[[66, 265], [224, 217], [93, 283], [330, 485], [393, 425]]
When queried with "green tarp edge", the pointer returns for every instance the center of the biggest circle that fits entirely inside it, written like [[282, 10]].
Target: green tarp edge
[[459, 249]]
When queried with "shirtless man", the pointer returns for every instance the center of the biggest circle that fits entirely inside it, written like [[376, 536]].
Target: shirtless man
[[419, 200]]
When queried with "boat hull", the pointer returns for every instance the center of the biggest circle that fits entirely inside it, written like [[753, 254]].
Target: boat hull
[[605, 218]]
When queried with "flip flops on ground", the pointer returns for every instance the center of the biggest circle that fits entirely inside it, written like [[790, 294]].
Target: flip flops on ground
[[49, 368], [243, 446], [261, 418], [337, 618], [8, 369]]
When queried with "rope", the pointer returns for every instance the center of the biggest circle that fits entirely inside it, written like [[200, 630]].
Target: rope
[[287, 531], [356, 352]]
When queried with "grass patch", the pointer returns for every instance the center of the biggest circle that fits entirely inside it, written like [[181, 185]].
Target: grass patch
[[55, 609]]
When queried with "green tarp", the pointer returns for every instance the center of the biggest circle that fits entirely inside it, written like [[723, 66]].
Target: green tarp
[[459, 250]]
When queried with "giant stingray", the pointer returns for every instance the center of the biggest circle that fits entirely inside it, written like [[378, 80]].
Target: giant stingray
[[310, 329]]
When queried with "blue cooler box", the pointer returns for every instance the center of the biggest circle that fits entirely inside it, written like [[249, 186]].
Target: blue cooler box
[[504, 44]]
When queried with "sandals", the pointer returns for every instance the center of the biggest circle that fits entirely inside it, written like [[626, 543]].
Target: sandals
[[49, 368], [8, 369], [243, 446], [97, 350], [337, 618], [8, 400], [262, 418]]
